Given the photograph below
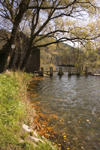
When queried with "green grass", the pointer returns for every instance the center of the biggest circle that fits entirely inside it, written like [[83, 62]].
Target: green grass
[[15, 109], [45, 146]]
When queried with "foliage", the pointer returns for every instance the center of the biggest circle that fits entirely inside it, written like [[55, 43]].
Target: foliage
[[42, 19], [62, 54]]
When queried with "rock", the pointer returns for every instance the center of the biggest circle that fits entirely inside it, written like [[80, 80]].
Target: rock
[[35, 133], [34, 139], [21, 141], [26, 128], [32, 136]]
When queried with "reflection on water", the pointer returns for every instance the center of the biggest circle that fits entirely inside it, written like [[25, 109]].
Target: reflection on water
[[77, 101]]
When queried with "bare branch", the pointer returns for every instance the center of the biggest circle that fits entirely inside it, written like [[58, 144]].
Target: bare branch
[[63, 7]]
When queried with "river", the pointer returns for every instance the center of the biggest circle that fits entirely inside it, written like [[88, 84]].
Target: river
[[76, 102]]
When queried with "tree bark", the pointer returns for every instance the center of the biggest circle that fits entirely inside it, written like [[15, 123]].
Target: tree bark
[[26, 58], [18, 62]]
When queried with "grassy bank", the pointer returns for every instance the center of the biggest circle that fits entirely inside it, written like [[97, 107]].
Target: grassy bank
[[15, 109]]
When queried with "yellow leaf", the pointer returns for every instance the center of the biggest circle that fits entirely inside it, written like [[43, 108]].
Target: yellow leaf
[[87, 120], [64, 136]]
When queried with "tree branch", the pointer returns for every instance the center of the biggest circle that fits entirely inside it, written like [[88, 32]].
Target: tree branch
[[62, 7], [52, 7]]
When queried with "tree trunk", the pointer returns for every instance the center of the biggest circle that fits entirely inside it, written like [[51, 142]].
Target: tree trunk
[[19, 60], [22, 8], [25, 60], [11, 64], [27, 56]]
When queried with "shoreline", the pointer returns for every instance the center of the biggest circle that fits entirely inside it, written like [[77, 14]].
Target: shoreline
[[17, 112], [45, 121]]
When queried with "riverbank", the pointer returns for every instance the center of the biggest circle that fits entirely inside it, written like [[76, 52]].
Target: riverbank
[[16, 112]]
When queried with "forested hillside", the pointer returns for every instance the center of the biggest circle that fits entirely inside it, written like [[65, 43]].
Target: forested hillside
[[64, 54], [61, 54], [58, 54]]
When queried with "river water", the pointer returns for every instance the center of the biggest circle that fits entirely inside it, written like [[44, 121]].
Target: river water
[[76, 101]]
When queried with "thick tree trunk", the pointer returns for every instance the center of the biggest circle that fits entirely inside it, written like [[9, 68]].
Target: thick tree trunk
[[11, 64], [19, 60], [22, 8], [27, 56], [25, 60]]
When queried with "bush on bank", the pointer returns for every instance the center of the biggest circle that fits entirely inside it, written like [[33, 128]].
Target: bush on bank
[[15, 109]]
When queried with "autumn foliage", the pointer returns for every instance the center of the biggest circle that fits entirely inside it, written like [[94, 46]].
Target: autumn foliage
[[44, 122]]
